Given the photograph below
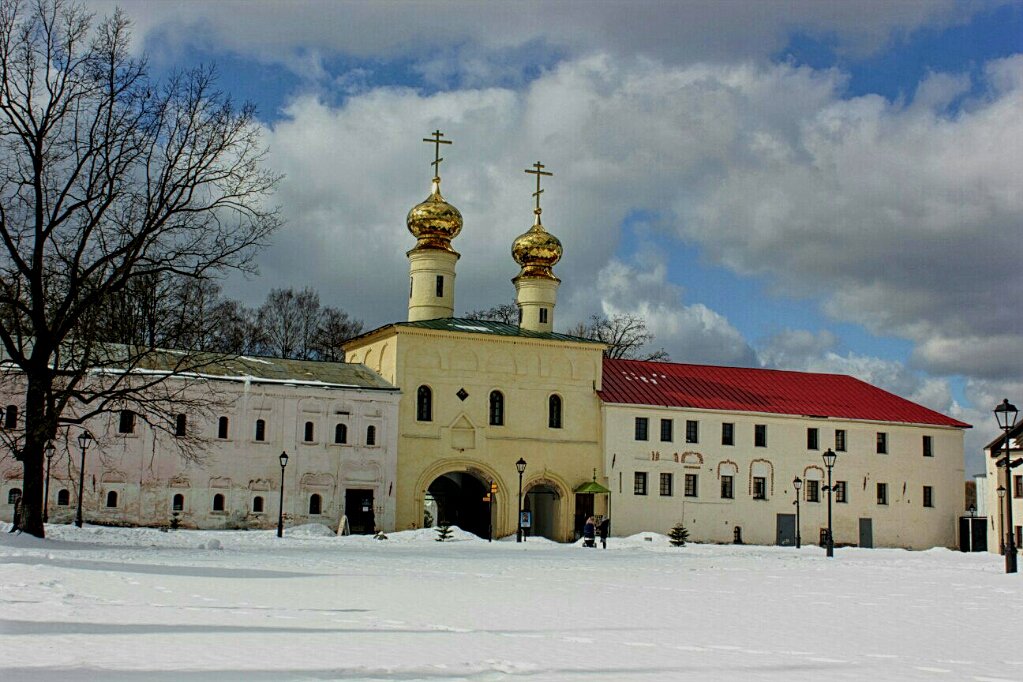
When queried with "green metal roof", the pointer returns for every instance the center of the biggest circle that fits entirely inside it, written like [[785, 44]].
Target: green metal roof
[[591, 487], [457, 324]]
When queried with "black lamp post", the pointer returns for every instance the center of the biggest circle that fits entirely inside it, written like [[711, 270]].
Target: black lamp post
[[46, 489], [1001, 519], [1006, 414], [84, 439], [280, 506], [829, 461], [520, 466], [490, 509], [797, 483]]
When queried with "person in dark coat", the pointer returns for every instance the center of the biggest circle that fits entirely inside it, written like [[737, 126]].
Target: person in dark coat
[[589, 532], [603, 530]]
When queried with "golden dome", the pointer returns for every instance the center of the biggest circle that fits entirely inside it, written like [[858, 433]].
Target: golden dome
[[537, 251], [434, 222]]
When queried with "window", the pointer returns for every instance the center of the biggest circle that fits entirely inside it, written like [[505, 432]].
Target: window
[[728, 434], [260, 430], [642, 425], [309, 432], [813, 490], [667, 427], [759, 488], [112, 499], [257, 504], [341, 434], [928, 446], [218, 503], [440, 286], [1019, 536], [666, 485], [639, 483], [127, 422], [554, 412], [371, 435], [692, 431], [315, 503], [839, 440], [691, 483], [882, 443], [812, 439], [13, 495], [520, 317], [727, 488], [222, 427], [760, 436], [178, 503], [543, 315], [882, 493], [496, 408], [928, 496], [180, 425], [424, 404], [840, 492], [410, 283], [1017, 485], [11, 417], [63, 497]]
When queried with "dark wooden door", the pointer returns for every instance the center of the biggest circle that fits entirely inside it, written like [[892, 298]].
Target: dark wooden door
[[359, 510]]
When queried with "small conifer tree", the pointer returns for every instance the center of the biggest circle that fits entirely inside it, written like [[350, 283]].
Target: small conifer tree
[[678, 536], [443, 532]]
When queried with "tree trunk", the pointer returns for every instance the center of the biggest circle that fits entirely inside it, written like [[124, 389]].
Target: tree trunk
[[32, 454]]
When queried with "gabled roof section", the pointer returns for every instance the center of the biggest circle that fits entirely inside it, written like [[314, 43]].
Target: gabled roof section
[[741, 389], [462, 325], [997, 446]]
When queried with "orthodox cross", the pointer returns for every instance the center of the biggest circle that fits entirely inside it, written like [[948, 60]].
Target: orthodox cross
[[437, 142], [538, 172]]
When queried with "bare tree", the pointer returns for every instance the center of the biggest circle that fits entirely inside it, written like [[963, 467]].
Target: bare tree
[[625, 335], [109, 183], [334, 329], [505, 312]]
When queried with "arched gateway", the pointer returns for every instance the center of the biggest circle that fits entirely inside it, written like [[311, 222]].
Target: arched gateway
[[457, 499]]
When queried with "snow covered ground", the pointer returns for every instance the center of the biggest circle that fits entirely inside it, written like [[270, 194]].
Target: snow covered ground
[[119, 604]]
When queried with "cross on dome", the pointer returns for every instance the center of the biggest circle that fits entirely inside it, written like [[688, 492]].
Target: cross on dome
[[437, 158], [538, 171]]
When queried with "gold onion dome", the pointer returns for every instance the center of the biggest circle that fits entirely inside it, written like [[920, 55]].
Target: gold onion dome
[[434, 222], [537, 251]]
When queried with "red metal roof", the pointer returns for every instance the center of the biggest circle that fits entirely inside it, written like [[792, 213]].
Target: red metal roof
[[741, 389]]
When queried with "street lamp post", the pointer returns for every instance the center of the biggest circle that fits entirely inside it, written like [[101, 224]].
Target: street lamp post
[[1001, 519], [280, 505], [490, 509], [84, 439], [797, 483], [829, 462], [46, 489], [1006, 414], [520, 466]]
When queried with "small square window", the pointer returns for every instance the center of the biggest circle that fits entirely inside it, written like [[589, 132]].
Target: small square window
[[760, 436], [639, 483], [728, 434], [691, 485], [882, 443], [692, 431], [666, 485], [727, 488], [126, 424], [667, 428], [642, 424], [812, 439]]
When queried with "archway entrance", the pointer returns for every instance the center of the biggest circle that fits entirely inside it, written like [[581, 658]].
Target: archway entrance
[[543, 503], [456, 498]]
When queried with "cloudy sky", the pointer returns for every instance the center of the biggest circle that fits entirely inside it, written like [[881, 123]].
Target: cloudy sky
[[825, 186]]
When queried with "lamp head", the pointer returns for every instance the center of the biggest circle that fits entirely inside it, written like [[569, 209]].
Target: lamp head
[[520, 465], [829, 458], [84, 439], [1006, 414], [49, 449], [797, 483], [1001, 491], [284, 459]]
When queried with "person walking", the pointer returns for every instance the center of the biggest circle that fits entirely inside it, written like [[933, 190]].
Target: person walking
[[603, 530], [589, 532]]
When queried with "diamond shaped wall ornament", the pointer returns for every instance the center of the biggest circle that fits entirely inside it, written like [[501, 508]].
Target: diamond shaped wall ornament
[[462, 394]]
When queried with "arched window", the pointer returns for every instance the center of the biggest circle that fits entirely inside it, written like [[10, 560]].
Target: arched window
[[11, 417], [178, 504], [257, 504], [112, 499], [13, 495], [308, 432], [222, 427], [218, 502], [63, 497], [260, 430], [371, 435], [315, 504], [554, 412], [496, 408], [424, 404], [341, 433]]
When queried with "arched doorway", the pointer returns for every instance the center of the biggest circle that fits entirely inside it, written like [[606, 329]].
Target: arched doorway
[[456, 498], [543, 502]]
